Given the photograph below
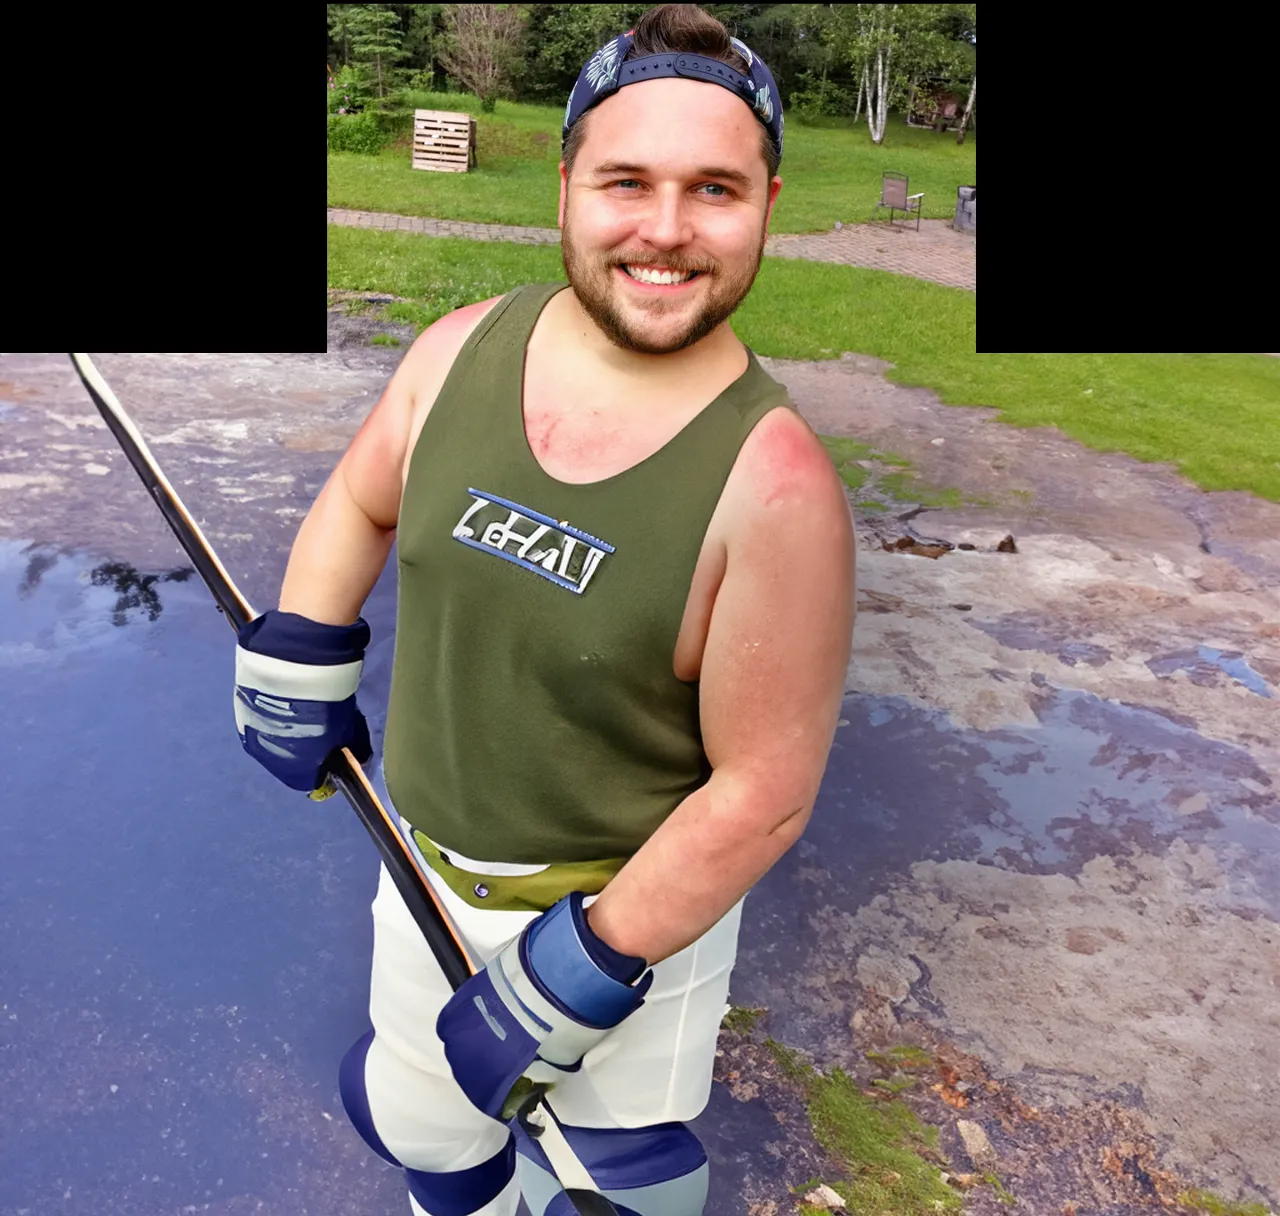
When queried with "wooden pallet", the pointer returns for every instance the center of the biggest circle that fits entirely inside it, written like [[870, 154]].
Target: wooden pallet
[[443, 141]]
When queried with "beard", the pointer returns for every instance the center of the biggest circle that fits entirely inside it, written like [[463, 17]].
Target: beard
[[654, 326]]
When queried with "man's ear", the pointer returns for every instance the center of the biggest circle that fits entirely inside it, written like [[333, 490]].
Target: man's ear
[[564, 192], [775, 187]]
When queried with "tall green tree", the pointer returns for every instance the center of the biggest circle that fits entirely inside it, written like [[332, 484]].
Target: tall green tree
[[422, 25], [893, 48], [376, 40], [340, 31], [926, 50], [558, 40]]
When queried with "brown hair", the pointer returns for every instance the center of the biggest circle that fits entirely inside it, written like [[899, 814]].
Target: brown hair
[[677, 27]]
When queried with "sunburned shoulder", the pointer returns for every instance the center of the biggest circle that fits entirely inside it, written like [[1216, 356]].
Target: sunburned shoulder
[[426, 363], [424, 368], [452, 329], [784, 469]]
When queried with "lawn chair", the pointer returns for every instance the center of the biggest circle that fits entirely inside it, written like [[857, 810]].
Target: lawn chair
[[893, 194]]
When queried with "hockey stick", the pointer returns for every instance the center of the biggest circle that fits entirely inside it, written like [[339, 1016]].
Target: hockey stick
[[346, 775]]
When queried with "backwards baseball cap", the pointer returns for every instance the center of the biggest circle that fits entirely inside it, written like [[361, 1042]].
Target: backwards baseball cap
[[606, 73]]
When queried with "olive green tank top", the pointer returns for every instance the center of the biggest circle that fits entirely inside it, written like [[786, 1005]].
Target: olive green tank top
[[534, 716]]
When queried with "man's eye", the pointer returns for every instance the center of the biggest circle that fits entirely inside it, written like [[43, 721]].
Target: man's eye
[[713, 185]]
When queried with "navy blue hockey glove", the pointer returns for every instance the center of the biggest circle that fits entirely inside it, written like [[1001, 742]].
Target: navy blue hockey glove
[[295, 699], [550, 994]]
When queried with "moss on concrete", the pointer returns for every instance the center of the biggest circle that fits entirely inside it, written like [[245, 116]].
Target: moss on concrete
[[1214, 1205], [741, 1019], [901, 1056], [1001, 1194], [862, 466], [890, 1157]]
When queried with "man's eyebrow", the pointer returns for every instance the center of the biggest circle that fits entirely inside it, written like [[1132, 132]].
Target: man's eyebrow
[[733, 175]]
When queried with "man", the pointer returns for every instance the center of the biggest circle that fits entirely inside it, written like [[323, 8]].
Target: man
[[625, 611]]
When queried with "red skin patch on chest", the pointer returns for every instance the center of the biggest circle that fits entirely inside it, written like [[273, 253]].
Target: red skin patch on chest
[[540, 432]]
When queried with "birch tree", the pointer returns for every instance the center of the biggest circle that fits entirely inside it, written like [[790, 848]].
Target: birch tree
[[896, 49], [879, 42], [865, 36], [862, 91], [973, 96], [970, 14]]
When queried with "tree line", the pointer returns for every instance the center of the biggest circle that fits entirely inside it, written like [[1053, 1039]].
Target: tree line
[[857, 60]]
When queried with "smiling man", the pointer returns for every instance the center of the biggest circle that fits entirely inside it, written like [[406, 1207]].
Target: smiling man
[[626, 587], [671, 155]]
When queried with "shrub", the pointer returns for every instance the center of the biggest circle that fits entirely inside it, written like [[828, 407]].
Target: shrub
[[822, 98], [355, 133], [348, 92]]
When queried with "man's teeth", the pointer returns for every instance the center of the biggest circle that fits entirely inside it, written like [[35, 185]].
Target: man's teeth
[[645, 275]]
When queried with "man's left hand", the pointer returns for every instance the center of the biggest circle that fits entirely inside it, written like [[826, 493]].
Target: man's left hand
[[550, 994]]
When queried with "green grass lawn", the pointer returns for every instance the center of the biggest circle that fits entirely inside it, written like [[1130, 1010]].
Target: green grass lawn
[[830, 171], [1217, 417], [1214, 416]]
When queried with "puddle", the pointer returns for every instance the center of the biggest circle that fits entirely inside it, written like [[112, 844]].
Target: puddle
[[1022, 634], [56, 602], [1202, 665], [1101, 779], [141, 854]]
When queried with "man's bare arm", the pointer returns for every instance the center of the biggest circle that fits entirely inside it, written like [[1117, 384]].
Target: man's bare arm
[[343, 544], [772, 679]]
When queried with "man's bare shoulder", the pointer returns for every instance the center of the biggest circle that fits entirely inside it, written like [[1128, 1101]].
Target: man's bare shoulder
[[428, 361], [446, 336], [777, 647], [375, 465], [783, 467]]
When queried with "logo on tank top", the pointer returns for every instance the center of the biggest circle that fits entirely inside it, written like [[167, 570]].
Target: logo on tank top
[[547, 547]]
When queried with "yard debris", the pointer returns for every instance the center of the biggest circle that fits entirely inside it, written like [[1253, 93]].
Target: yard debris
[[948, 1090], [824, 1197], [908, 544], [976, 1143]]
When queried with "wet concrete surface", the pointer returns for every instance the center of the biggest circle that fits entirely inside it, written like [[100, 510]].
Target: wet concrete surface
[[1047, 846]]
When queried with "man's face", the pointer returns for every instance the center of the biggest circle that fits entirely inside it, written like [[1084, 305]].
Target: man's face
[[663, 209]]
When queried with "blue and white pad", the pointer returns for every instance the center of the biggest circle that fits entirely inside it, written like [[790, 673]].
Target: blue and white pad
[[488, 1189], [543, 997], [648, 1171], [295, 694]]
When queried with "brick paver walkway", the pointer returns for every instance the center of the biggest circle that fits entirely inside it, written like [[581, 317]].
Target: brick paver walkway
[[937, 252]]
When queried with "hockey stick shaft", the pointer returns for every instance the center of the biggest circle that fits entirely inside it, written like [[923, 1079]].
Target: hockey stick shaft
[[432, 918]]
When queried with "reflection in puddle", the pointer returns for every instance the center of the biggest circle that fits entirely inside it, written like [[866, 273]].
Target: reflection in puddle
[[1203, 664], [54, 600], [1097, 777], [1092, 777], [1234, 664], [135, 590]]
